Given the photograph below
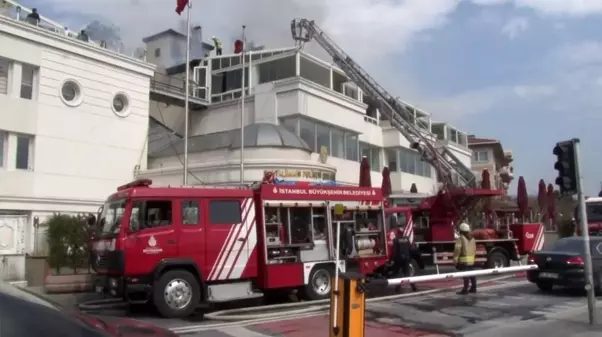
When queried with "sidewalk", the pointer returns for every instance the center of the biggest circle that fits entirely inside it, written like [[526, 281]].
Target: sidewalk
[[569, 323]]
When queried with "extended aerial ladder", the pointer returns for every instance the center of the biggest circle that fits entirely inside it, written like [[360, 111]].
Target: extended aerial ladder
[[444, 161]]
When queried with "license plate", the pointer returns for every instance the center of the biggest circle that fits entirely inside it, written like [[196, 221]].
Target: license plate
[[548, 275], [100, 289]]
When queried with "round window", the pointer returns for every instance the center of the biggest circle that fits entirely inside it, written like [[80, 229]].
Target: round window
[[118, 104], [71, 93], [121, 105]]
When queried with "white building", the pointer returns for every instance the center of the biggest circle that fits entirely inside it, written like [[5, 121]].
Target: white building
[[297, 107], [73, 126]]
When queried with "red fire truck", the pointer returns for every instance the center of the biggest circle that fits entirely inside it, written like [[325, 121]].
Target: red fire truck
[[181, 247], [430, 227]]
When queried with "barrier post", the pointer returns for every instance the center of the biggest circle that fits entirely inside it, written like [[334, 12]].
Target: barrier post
[[347, 308]]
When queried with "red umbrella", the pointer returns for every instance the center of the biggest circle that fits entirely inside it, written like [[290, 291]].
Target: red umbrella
[[542, 199], [551, 202], [486, 184], [522, 198], [413, 188], [386, 183], [365, 180], [485, 179]]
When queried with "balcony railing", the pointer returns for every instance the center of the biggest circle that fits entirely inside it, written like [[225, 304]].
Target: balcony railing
[[175, 87]]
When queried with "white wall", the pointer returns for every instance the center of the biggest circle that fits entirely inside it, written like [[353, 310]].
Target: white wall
[[80, 154]]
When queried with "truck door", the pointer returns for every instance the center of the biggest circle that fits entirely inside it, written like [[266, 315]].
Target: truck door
[[230, 237], [151, 235], [192, 242]]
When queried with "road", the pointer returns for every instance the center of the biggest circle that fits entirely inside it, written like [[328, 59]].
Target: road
[[504, 308]]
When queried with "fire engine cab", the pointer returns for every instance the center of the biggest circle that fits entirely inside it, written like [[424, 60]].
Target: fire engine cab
[[184, 247]]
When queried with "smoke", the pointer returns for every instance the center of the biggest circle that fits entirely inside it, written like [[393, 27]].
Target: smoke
[[371, 31], [365, 28]]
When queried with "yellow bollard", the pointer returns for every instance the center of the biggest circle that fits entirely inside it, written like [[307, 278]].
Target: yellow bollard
[[347, 306]]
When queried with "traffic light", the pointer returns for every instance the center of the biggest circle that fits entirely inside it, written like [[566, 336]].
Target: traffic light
[[565, 165]]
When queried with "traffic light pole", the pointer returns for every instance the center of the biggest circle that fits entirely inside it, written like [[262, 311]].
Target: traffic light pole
[[589, 279]]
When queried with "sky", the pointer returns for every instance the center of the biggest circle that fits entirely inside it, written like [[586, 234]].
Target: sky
[[526, 72]]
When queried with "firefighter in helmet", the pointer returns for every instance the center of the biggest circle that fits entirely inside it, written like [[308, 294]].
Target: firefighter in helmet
[[464, 256], [218, 45]]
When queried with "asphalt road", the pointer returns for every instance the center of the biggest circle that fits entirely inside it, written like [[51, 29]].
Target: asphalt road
[[505, 308]]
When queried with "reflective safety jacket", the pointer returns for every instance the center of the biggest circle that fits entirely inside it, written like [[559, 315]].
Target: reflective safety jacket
[[217, 43], [465, 250]]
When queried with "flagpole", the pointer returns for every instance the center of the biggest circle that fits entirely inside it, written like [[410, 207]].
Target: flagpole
[[242, 110], [187, 88]]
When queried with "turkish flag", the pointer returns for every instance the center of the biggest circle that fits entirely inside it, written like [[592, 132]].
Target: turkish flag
[[180, 5]]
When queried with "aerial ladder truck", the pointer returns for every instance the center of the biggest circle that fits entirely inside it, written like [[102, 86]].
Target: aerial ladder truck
[[436, 216]]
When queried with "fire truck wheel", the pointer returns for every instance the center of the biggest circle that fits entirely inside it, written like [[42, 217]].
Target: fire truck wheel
[[320, 283], [176, 294], [497, 260]]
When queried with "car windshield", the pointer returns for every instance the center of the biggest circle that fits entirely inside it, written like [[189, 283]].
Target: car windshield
[[569, 245], [594, 211], [110, 217]]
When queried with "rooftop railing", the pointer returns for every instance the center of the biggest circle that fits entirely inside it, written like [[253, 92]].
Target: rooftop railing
[[13, 10]]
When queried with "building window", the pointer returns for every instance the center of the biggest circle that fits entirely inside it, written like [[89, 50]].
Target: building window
[[224, 212], [322, 138], [351, 146], [480, 156], [71, 93], [157, 52], [3, 137], [411, 162], [23, 152], [121, 105], [27, 76], [276, 70], [392, 159], [307, 132], [291, 124], [373, 154], [314, 72], [4, 65], [337, 140]]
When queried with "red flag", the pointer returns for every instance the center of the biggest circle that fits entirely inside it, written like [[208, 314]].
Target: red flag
[[180, 5], [238, 46]]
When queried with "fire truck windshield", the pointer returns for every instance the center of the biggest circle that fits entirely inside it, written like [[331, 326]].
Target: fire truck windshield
[[110, 218], [594, 211]]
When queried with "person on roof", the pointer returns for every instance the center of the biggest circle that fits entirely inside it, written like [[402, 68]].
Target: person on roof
[[83, 36], [33, 17], [464, 257], [218, 45]]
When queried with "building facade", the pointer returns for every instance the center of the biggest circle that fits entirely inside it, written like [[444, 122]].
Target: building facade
[[489, 154], [73, 125], [303, 119]]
